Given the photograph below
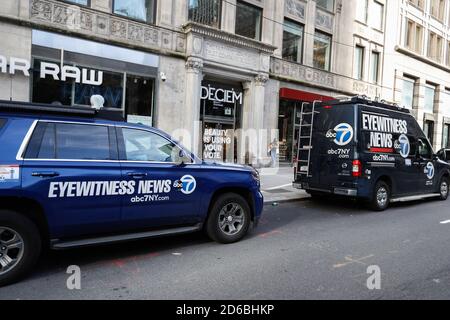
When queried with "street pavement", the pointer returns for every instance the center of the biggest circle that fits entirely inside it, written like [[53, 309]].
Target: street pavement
[[301, 250], [276, 185]]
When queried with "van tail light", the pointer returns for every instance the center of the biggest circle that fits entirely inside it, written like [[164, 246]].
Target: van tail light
[[356, 168]]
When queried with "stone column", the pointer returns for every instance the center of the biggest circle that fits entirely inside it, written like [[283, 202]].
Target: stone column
[[191, 114], [229, 16], [252, 139], [439, 113]]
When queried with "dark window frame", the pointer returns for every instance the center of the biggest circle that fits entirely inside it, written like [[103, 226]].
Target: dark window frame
[[261, 19], [155, 7]]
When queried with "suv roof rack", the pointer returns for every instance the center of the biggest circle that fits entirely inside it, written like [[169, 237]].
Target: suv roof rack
[[367, 101], [42, 108]]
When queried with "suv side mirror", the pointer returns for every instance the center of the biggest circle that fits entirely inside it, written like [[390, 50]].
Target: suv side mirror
[[181, 157]]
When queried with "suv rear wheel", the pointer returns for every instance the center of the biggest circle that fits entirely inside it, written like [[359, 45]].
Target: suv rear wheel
[[381, 196], [20, 246], [443, 188], [229, 219]]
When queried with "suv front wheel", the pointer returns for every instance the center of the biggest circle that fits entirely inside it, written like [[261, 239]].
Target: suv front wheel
[[381, 196], [229, 219], [20, 246]]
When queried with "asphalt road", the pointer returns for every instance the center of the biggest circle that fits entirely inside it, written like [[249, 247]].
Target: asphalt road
[[302, 250]]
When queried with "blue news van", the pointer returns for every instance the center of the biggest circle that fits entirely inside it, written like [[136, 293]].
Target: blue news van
[[369, 150], [71, 178]]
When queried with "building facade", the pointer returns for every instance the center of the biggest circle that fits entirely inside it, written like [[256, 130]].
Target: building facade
[[226, 77]]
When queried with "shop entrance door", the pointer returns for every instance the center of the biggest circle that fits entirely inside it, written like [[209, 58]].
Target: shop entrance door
[[218, 141], [289, 128]]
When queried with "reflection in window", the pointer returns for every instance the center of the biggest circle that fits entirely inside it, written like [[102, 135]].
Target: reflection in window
[[111, 90], [142, 145], [359, 62], [205, 12], [326, 4], [292, 41], [248, 21], [139, 96], [135, 9], [408, 93], [82, 142], [429, 98], [322, 50], [375, 67], [82, 2]]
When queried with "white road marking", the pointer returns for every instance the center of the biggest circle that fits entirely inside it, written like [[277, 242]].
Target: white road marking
[[279, 187], [445, 222]]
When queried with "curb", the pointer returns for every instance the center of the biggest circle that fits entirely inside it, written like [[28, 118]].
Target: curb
[[286, 200]]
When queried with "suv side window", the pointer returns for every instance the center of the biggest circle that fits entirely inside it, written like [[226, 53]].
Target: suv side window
[[424, 149], [141, 145], [67, 141], [2, 123]]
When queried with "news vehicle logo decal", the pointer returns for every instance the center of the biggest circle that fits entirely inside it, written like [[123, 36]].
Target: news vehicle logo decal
[[189, 184], [404, 146], [342, 134], [429, 170]]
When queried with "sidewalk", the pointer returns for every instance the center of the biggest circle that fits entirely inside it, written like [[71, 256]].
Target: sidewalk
[[276, 185]]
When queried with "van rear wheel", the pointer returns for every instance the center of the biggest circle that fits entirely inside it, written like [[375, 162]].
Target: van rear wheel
[[444, 188], [381, 196]]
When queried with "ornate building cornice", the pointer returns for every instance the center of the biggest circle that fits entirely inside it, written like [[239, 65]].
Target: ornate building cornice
[[227, 37]]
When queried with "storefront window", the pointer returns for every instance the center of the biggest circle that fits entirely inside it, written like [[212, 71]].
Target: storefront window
[[48, 90], [322, 51], [221, 106], [138, 92], [292, 41], [205, 12], [111, 90], [248, 21], [135, 9]]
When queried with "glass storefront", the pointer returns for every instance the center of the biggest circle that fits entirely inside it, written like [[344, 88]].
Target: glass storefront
[[69, 71], [289, 126], [221, 106]]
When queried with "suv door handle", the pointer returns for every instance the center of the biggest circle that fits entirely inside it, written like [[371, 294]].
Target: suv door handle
[[45, 174], [137, 175]]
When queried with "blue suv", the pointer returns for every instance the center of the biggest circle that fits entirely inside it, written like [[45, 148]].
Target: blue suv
[[71, 178]]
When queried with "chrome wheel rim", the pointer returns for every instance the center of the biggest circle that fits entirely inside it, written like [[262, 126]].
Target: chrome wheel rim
[[382, 197], [11, 249], [231, 219], [444, 189]]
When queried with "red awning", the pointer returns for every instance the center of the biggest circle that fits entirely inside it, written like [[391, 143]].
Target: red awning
[[298, 95]]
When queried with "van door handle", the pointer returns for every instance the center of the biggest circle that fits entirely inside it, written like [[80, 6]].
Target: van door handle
[[45, 174], [138, 175]]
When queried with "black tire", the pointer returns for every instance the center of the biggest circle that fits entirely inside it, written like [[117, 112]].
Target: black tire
[[13, 225], [443, 188], [219, 215], [381, 196]]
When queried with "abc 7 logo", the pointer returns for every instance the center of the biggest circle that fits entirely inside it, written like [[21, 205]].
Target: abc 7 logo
[[331, 134]]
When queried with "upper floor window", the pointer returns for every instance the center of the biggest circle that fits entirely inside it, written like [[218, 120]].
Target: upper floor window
[[377, 15], [435, 47], [430, 95], [448, 53], [414, 36], [205, 12], [418, 3], [143, 10], [362, 10], [375, 67], [248, 20], [82, 2], [359, 62], [292, 41], [408, 92], [437, 9], [322, 51], [326, 4]]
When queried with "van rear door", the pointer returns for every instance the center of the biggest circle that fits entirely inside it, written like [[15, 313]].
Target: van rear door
[[334, 146]]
